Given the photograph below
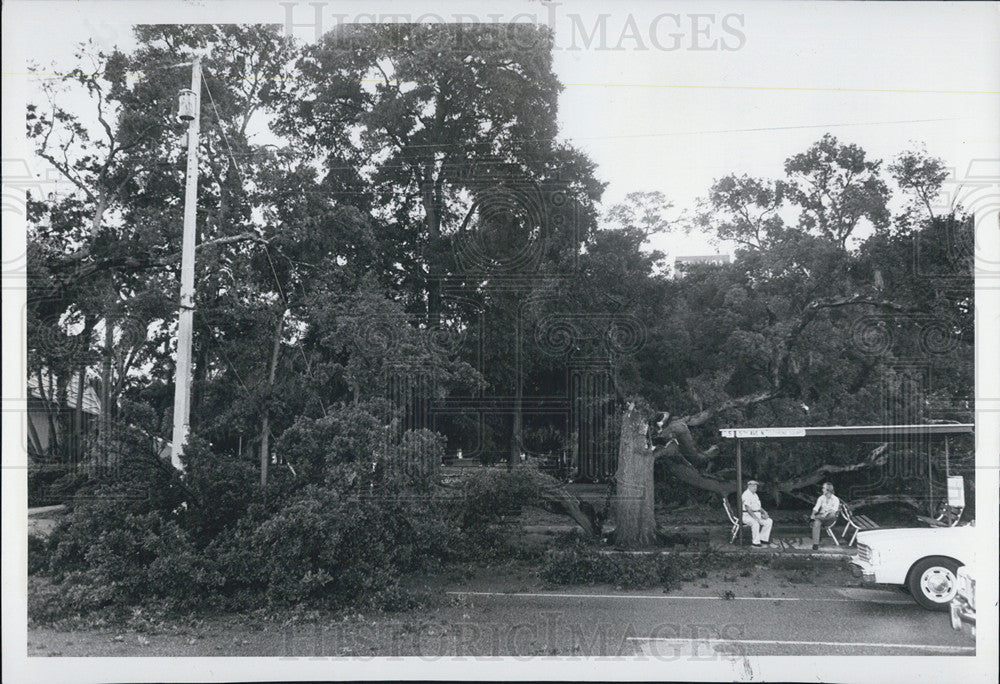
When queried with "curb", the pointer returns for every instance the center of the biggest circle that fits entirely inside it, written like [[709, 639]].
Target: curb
[[835, 558], [44, 510]]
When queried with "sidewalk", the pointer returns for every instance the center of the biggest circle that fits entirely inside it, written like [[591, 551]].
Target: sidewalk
[[43, 519], [787, 539]]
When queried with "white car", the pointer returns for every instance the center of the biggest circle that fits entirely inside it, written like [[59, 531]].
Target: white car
[[924, 561], [963, 606]]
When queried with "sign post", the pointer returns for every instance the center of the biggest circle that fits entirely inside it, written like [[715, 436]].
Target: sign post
[[956, 491], [739, 490]]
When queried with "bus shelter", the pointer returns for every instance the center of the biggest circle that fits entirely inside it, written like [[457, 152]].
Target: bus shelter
[[856, 433]]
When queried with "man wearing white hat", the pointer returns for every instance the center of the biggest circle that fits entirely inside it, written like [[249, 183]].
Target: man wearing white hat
[[755, 516]]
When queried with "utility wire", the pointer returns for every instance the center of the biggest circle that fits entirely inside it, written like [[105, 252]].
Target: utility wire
[[222, 350], [267, 251], [222, 130], [239, 174]]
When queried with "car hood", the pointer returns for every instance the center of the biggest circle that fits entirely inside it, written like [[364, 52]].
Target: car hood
[[916, 535]]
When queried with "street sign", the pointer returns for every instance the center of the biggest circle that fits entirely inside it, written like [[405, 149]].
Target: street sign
[[757, 433]]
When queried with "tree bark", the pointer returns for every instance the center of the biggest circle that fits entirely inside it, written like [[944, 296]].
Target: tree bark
[[432, 221], [877, 457], [635, 522], [105, 427], [558, 500], [79, 427], [265, 423], [516, 445], [686, 473]]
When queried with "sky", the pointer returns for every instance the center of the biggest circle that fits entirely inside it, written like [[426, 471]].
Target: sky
[[885, 77], [671, 96]]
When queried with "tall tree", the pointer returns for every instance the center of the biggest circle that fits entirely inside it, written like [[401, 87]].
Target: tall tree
[[434, 131], [783, 336]]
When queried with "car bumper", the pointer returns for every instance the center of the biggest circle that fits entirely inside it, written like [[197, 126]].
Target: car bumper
[[863, 570], [963, 616]]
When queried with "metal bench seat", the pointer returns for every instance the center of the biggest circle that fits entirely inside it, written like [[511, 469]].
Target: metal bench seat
[[733, 520], [859, 523]]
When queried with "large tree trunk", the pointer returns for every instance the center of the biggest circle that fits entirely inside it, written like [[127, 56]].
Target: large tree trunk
[[633, 508], [635, 522]]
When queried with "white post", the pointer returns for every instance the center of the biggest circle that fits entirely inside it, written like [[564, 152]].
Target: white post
[[185, 321]]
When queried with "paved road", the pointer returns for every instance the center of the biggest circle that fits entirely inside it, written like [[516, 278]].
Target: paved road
[[807, 620], [817, 621]]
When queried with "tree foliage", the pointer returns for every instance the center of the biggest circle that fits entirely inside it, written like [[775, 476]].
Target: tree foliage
[[398, 257]]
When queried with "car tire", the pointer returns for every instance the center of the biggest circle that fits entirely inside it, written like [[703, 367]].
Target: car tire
[[932, 582]]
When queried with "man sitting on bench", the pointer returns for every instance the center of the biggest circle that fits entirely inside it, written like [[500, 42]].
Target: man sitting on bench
[[824, 513], [755, 516]]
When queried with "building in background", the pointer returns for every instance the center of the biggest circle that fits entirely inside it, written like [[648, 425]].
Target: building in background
[[49, 415], [683, 264]]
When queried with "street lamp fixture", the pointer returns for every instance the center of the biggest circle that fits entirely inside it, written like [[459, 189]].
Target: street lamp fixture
[[187, 104]]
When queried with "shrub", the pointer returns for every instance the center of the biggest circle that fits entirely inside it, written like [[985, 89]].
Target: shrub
[[580, 564], [50, 602], [148, 556], [106, 555], [38, 554], [490, 498], [221, 487], [215, 539], [490, 495], [323, 547], [415, 461], [53, 483], [105, 509], [347, 434]]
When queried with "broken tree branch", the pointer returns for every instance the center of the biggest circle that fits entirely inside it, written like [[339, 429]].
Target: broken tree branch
[[877, 457]]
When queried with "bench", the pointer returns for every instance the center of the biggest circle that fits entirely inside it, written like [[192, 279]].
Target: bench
[[733, 520], [860, 523], [830, 532], [948, 517]]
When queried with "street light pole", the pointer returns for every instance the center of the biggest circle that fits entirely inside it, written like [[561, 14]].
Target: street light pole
[[185, 320]]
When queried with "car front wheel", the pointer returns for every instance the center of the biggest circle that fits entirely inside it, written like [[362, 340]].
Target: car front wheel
[[932, 582]]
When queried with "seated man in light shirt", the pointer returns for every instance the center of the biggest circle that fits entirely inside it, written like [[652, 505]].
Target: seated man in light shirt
[[824, 513], [755, 516]]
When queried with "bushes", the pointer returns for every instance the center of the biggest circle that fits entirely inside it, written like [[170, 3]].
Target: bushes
[[221, 488], [352, 435], [415, 461], [105, 556], [148, 557], [347, 434], [580, 564], [323, 548], [490, 495], [209, 537], [38, 554]]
